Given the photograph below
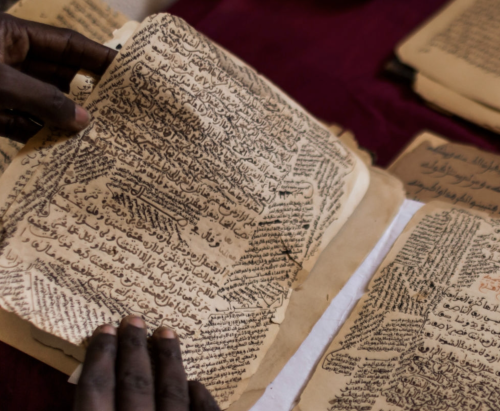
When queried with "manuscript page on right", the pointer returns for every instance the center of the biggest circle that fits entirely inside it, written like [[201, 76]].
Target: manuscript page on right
[[459, 49], [426, 333]]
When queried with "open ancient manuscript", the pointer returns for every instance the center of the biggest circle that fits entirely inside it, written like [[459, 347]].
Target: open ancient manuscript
[[457, 59], [199, 196], [426, 334]]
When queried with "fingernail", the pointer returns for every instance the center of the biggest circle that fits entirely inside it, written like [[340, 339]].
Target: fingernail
[[107, 329], [136, 321], [82, 117], [167, 333]]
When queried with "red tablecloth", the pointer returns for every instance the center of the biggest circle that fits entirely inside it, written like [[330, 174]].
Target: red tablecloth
[[328, 55]]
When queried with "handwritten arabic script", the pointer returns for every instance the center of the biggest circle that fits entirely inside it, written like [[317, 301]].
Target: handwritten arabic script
[[427, 333], [454, 173]]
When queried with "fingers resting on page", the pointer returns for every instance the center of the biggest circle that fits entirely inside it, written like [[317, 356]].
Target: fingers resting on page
[[37, 64], [118, 374]]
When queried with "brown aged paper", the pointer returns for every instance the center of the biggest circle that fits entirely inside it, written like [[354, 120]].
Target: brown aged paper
[[424, 137], [335, 266], [18, 334], [198, 197], [426, 333], [434, 169]]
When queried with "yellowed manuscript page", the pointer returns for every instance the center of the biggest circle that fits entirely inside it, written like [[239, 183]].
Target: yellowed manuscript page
[[197, 198]]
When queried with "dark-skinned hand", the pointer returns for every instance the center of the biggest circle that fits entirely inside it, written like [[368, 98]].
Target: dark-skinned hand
[[37, 64], [117, 373]]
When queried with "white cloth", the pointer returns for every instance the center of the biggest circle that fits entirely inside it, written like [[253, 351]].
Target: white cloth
[[284, 391]]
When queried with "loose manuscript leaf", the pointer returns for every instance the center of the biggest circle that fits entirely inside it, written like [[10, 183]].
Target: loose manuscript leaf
[[435, 169]]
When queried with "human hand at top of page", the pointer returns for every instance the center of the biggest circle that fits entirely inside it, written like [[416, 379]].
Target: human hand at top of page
[[37, 64], [117, 374]]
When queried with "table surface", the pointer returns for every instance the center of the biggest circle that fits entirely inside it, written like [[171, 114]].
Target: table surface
[[329, 56]]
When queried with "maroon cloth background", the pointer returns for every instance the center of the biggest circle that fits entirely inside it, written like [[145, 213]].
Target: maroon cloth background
[[328, 55]]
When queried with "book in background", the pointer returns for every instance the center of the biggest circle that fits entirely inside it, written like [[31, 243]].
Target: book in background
[[456, 59]]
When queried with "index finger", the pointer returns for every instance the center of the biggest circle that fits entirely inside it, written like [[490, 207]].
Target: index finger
[[64, 46]]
